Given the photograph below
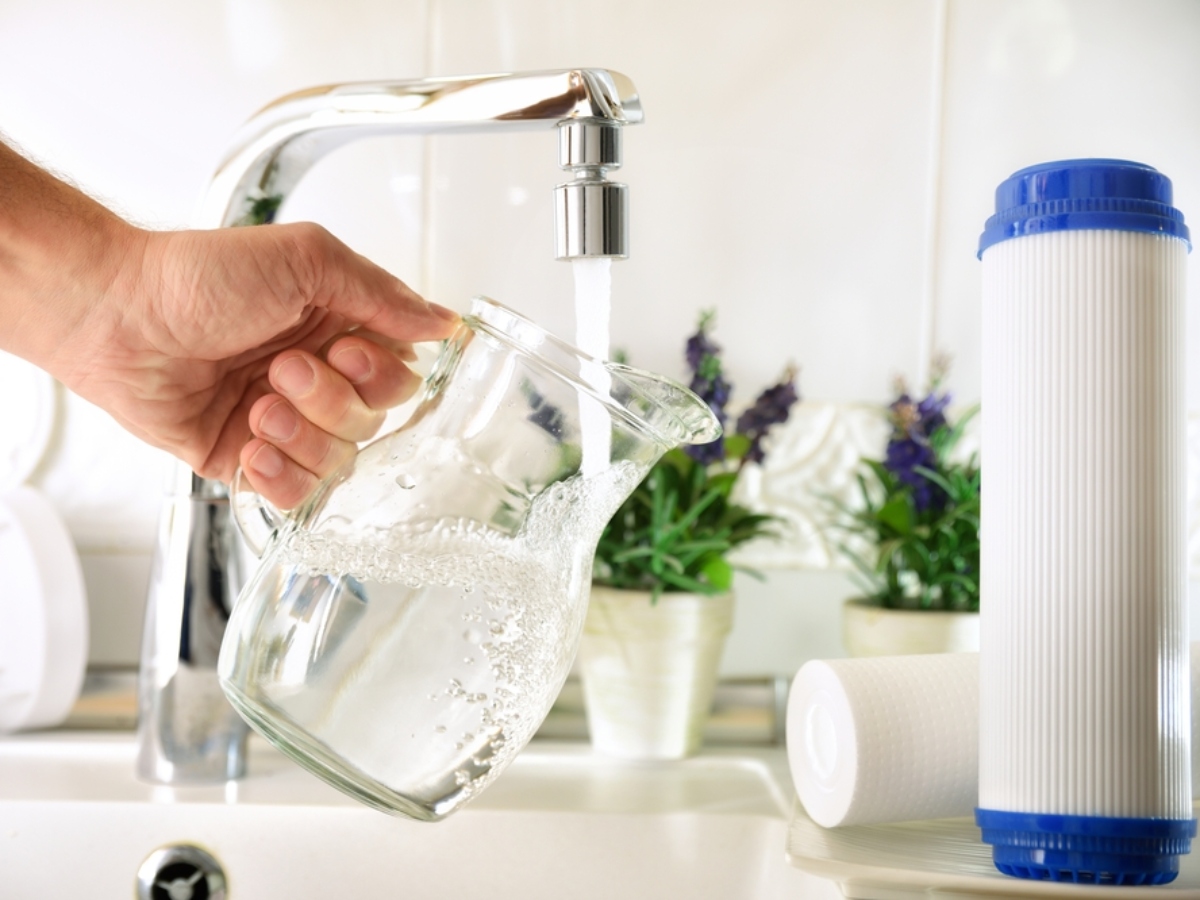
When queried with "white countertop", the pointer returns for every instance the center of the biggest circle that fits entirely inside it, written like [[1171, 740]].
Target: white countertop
[[561, 822]]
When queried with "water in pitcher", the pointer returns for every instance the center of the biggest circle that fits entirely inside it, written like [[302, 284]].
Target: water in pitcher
[[432, 656]]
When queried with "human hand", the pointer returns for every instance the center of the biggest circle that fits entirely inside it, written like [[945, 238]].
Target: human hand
[[276, 346]]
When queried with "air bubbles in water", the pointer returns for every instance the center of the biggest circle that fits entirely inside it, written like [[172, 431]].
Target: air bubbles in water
[[513, 626]]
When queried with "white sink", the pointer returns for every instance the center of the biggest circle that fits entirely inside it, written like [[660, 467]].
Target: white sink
[[560, 823]]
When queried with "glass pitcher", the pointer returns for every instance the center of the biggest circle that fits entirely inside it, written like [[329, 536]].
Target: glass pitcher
[[410, 626]]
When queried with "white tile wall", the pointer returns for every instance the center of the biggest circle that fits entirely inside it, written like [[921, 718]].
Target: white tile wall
[[818, 172], [780, 177]]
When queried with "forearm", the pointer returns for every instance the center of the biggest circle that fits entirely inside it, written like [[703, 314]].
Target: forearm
[[61, 255]]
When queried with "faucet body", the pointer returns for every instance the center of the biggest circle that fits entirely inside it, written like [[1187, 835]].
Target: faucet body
[[187, 731]]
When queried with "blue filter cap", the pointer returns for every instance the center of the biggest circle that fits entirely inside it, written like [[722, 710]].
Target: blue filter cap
[[1086, 849], [1077, 194]]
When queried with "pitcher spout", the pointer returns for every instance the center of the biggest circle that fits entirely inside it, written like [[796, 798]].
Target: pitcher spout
[[653, 406], [675, 413]]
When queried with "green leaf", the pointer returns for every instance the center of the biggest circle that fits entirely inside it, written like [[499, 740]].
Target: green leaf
[[722, 482], [897, 514], [691, 553], [737, 446], [631, 554], [719, 573], [261, 210], [691, 515], [691, 585]]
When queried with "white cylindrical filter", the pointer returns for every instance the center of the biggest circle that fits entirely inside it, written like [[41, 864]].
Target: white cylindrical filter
[[896, 739], [885, 738], [1084, 732]]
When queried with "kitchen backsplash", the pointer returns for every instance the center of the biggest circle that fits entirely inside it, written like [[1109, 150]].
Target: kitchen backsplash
[[816, 172]]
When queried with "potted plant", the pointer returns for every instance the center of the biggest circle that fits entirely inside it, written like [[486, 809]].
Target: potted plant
[[662, 603], [913, 537]]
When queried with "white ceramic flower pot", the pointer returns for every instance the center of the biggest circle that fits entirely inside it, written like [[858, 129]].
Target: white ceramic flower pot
[[649, 670], [870, 630]]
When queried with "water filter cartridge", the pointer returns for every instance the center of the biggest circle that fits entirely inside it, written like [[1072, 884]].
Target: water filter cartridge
[[1084, 767]]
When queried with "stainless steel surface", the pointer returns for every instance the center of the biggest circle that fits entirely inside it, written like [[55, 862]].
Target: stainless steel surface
[[278, 145], [187, 731], [593, 219], [591, 213], [589, 143], [181, 872]]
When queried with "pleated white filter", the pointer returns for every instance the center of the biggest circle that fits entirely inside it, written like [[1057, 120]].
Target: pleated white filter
[[1084, 674], [896, 739], [1195, 680], [885, 739]]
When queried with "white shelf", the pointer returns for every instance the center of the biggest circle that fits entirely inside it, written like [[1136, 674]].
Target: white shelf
[[944, 857]]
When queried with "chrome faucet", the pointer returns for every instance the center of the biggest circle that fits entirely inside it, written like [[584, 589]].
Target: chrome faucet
[[589, 107], [186, 729]]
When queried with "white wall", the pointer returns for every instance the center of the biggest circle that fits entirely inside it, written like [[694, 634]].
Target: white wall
[[818, 172]]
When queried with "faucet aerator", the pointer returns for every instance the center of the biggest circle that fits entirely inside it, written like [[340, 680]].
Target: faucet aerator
[[591, 212]]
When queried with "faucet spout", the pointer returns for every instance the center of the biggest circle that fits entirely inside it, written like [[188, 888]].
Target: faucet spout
[[278, 145]]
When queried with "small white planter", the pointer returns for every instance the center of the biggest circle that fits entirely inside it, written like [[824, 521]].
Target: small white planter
[[649, 670], [870, 630]]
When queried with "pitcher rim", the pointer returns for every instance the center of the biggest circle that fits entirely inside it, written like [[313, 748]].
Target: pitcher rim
[[683, 433]]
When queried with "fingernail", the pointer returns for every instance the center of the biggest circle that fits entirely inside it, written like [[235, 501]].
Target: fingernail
[[352, 363], [266, 461], [279, 423], [295, 376], [446, 315]]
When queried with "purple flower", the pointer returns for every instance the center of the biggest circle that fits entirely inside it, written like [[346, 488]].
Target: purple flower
[[909, 448], [714, 390], [772, 407], [932, 412], [545, 415], [709, 384], [904, 456]]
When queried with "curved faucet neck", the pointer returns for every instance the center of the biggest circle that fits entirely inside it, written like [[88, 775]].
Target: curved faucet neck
[[284, 140]]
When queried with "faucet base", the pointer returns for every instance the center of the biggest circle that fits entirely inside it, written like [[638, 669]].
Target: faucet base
[[190, 733], [187, 731]]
